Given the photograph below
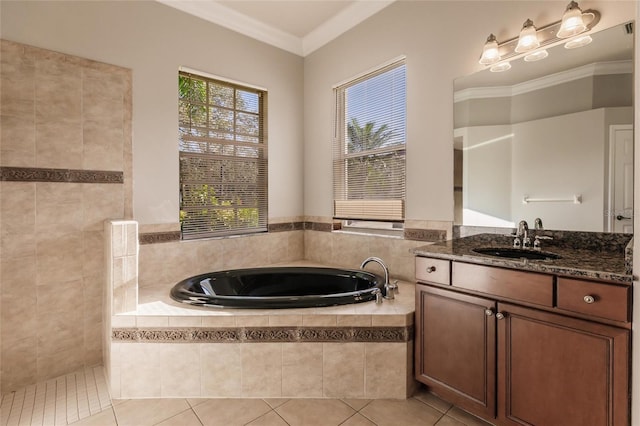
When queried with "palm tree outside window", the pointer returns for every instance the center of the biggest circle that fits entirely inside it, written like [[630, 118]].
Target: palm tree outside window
[[370, 147]]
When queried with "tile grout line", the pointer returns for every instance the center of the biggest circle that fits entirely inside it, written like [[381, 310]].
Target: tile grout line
[[14, 417], [92, 392], [5, 408], [60, 402], [103, 390], [37, 418], [27, 405], [49, 412], [71, 398], [82, 400]]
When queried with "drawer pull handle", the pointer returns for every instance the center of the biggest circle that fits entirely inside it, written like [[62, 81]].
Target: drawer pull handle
[[431, 269], [500, 315], [589, 299], [488, 312]]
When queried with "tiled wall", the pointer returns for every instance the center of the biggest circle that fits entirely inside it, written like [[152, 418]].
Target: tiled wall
[[66, 129], [349, 250], [121, 267], [275, 370], [164, 264]]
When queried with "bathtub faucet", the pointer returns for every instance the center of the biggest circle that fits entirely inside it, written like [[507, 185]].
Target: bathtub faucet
[[389, 288]]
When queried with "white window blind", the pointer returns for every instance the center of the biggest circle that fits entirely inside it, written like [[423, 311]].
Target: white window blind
[[223, 158], [369, 146]]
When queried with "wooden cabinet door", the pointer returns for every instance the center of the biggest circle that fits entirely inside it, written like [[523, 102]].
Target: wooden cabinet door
[[455, 348], [555, 370]]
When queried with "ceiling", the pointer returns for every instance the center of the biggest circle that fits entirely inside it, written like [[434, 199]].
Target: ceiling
[[298, 26]]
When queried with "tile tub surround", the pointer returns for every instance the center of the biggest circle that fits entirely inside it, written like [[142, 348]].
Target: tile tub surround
[[348, 250], [165, 259], [161, 265], [65, 164], [167, 349], [584, 255]]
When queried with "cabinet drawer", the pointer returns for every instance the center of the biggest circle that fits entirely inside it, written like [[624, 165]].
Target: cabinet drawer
[[593, 298], [433, 270], [527, 287]]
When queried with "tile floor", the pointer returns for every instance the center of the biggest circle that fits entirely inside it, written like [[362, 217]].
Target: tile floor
[[60, 401], [81, 399], [423, 409]]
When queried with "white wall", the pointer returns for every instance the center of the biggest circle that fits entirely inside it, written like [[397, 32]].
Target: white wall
[[441, 41], [545, 168], [154, 41], [487, 176]]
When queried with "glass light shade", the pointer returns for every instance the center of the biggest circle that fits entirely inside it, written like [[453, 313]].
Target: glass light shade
[[536, 56], [490, 53], [572, 22], [502, 66], [578, 42], [528, 39]]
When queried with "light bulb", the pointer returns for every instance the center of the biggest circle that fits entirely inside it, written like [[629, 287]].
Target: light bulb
[[490, 53], [572, 22], [528, 39]]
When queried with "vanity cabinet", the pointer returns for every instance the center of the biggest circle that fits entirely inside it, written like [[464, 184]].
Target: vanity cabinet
[[456, 348], [516, 347]]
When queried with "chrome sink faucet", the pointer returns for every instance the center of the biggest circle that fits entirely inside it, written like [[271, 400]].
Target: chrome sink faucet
[[389, 288], [522, 234], [538, 224]]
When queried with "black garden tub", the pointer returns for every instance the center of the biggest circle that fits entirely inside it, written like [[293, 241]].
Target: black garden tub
[[279, 287]]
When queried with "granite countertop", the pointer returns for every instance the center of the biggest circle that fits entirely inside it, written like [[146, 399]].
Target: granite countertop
[[610, 262]]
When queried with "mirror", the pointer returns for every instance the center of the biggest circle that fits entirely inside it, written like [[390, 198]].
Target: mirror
[[551, 139]]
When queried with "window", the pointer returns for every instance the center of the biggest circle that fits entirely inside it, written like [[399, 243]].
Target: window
[[369, 147], [223, 158]]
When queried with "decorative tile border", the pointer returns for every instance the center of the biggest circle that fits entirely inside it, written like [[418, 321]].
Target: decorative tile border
[[429, 235], [285, 226], [36, 174], [159, 237], [263, 334], [170, 236], [321, 226]]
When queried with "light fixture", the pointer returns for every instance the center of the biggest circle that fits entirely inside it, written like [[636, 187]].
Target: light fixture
[[528, 39], [572, 22], [578, 42], [532, 42], [536, 56], [490, 53]]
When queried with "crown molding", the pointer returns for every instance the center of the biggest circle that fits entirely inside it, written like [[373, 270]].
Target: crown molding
[[212, 11], [597, 68], [342, 22]]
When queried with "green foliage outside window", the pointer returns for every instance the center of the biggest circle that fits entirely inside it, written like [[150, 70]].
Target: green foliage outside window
[[221, 176]]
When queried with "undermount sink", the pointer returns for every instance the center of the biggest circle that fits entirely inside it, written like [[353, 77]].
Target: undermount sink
[[515, 253]]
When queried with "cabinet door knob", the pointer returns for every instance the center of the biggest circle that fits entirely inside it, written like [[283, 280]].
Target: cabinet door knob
[[431, 269], [500, 315], [589, 299], [488, 312]]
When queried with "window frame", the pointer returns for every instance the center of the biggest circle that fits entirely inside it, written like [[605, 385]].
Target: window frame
[[362, 210], [214, 158]]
